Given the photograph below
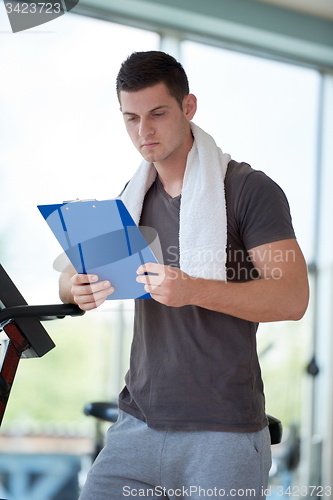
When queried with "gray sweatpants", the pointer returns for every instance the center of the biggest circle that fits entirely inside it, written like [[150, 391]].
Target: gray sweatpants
[[141, 462]]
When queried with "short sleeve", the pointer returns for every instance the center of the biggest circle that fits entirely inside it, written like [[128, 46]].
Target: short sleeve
[[263, 211]]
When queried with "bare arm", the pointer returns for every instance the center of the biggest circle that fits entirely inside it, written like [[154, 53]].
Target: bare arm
[[83, 289], [281, 292], [65, 285]]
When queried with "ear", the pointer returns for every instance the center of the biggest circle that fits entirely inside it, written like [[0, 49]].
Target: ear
[[189, 106]]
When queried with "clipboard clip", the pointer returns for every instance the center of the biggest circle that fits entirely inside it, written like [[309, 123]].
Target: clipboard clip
[[78, 200]]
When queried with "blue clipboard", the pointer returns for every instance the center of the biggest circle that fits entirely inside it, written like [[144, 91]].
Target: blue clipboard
[[100, 237]]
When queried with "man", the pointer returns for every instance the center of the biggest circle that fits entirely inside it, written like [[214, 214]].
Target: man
[[192, 419]]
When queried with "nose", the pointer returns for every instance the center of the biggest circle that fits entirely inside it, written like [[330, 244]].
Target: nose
[[146, 129]]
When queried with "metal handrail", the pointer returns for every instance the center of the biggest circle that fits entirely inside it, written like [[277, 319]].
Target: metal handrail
[[42, 312]]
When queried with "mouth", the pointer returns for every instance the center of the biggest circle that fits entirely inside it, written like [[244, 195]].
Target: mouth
[[149, 145]]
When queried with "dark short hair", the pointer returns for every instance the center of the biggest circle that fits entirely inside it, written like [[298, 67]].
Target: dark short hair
[[146, 69]]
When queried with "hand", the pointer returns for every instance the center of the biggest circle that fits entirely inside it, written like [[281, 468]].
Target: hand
[[88, 292], [168, 285]]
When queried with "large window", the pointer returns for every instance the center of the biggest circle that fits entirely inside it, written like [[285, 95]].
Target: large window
[[262, 112], [62, 137]]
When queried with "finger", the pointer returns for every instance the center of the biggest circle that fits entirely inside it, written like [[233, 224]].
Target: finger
[[78, 279], [86, 289], [91, 305], [92, 300], [85, 292], [150, 279], [150, 267]]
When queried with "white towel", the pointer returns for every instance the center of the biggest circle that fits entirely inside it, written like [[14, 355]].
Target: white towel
[[203, 218]]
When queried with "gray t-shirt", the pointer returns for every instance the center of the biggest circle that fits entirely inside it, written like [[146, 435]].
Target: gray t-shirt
[[192, 368]]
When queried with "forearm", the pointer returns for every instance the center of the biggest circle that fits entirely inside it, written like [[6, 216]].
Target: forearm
[[260, 300], [281, 293], [65, 287]]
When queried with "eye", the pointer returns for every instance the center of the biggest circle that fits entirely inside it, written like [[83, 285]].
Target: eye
[[158, 114]]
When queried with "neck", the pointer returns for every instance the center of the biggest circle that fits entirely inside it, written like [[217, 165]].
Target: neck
[[172, 186], [171, 170]]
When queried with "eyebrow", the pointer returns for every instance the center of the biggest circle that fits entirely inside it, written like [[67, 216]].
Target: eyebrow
[[151, 111]]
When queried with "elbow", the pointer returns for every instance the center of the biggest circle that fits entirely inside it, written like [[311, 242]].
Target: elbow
[[298, 306], [297, 315]]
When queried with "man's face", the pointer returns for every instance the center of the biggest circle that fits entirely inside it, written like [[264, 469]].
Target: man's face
[[157, 126]]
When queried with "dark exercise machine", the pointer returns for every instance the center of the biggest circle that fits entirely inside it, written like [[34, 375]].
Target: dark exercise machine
[[25, 337]]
